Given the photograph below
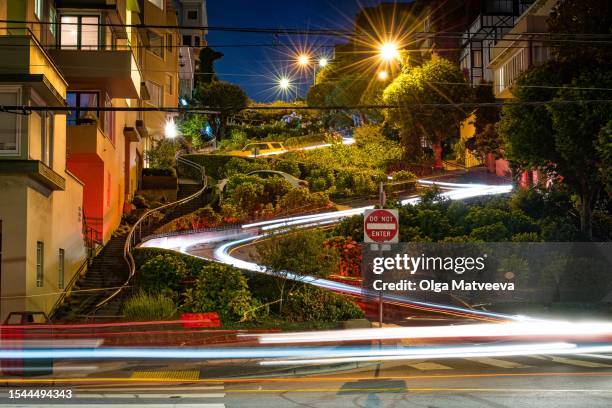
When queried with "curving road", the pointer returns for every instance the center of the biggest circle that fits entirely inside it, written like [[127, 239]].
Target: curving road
[[224, 242]]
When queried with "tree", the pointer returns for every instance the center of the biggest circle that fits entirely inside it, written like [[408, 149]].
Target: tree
[[438, 81], [582, 17], [560, 138], [229, 98], [163, 154], [604, 150], [292, 257], [486, 138], [206, 71]]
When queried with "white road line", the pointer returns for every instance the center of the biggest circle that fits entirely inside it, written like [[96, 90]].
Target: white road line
[[574, 362], [106, 405], [145, 396], [429, 366], [495, 362]]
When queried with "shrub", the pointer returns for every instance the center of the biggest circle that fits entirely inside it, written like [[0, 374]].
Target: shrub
[[222, 289], [162, 274], [404, 175], [140, 202], [310, 303], [146, 307], [496, 232], [288, 166]]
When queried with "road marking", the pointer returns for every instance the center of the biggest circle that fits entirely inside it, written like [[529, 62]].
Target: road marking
[[145, 396], [138, 405], [496, 362], [579, 363], [429, 366], [186, 375]]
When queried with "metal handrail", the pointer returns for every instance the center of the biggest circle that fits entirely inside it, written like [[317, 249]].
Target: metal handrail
[[131, 237]]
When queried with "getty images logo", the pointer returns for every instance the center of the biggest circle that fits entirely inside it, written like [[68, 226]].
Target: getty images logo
[[423, 263]]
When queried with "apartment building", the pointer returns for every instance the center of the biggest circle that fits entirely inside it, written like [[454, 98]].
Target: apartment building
[[193, 19], [41, 200], [87, 55], [515, 53]]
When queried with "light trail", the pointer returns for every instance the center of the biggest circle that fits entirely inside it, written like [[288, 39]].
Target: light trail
[[513, 329], [308, 355]]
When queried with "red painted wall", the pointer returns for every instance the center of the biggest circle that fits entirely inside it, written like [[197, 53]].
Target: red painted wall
[[89, 168]]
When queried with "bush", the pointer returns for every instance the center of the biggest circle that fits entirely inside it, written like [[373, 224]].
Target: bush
[[140, 202], [146, 307], [310, 303], [222, 289], [162, 274], [288, 166], [404, 175]]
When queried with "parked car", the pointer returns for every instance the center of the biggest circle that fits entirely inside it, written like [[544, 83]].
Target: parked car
[[260, 149]]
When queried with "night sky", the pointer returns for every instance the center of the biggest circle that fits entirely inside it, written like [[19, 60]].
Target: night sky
[[254, 68]]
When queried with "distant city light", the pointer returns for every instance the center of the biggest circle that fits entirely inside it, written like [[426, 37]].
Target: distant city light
[[383, 75], [170, 129], [389, 51]]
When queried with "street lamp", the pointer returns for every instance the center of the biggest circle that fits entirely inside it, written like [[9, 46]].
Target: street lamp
[[323, 62], [303, 60], [170, 129], [383, 75], [388, 51], [284, 83]]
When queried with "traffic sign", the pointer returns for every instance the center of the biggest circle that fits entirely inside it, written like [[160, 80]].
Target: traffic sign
[[381, 226]]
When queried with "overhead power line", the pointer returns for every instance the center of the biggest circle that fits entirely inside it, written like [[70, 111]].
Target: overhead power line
[[216, 110]]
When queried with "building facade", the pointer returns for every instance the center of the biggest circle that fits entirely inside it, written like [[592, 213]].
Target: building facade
[[66, 171], [193, 19]]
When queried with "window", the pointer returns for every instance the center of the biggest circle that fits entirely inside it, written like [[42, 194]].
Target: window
[[156, 93], [169, 43], [86, 108], [109, 120], [158, 3], [187, 40], [79, 32], [9, 122], [40, 259], [53, 20], [156, 44], [192, 14], [169, 84], [46, 139], [38, 9], [196, 41], [61, 266]]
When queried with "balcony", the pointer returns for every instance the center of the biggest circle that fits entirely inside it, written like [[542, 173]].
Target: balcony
[[24, 61], [113, 70], [35, 170], [85, 139]]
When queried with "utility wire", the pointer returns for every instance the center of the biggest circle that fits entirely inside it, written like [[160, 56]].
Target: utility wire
[[18, 109]]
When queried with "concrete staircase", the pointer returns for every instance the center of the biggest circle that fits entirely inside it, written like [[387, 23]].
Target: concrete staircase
[[107, 270]]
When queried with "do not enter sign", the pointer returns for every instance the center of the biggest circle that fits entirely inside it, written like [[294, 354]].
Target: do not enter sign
[[380, 226]]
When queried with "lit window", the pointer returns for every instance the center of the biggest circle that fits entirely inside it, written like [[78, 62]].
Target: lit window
[[79, 32], [38, 9], [156, 93], [169, 84], [9, 128], [169, 43], [156, 44], [40, 255], [158, 3], [86, 108], [61, 266]]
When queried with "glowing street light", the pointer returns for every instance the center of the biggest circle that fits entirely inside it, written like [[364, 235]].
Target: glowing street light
[[323, 62], [389, 51], [284, 83], [170, 129], [383, 75], [303, 60]]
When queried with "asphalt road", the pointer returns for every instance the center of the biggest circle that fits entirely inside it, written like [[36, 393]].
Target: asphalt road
[[535, 381]]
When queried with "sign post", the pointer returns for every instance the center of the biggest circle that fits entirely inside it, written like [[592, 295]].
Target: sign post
[[380, 227]]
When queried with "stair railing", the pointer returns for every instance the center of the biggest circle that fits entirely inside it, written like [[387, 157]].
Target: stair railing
[[133, 238]]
